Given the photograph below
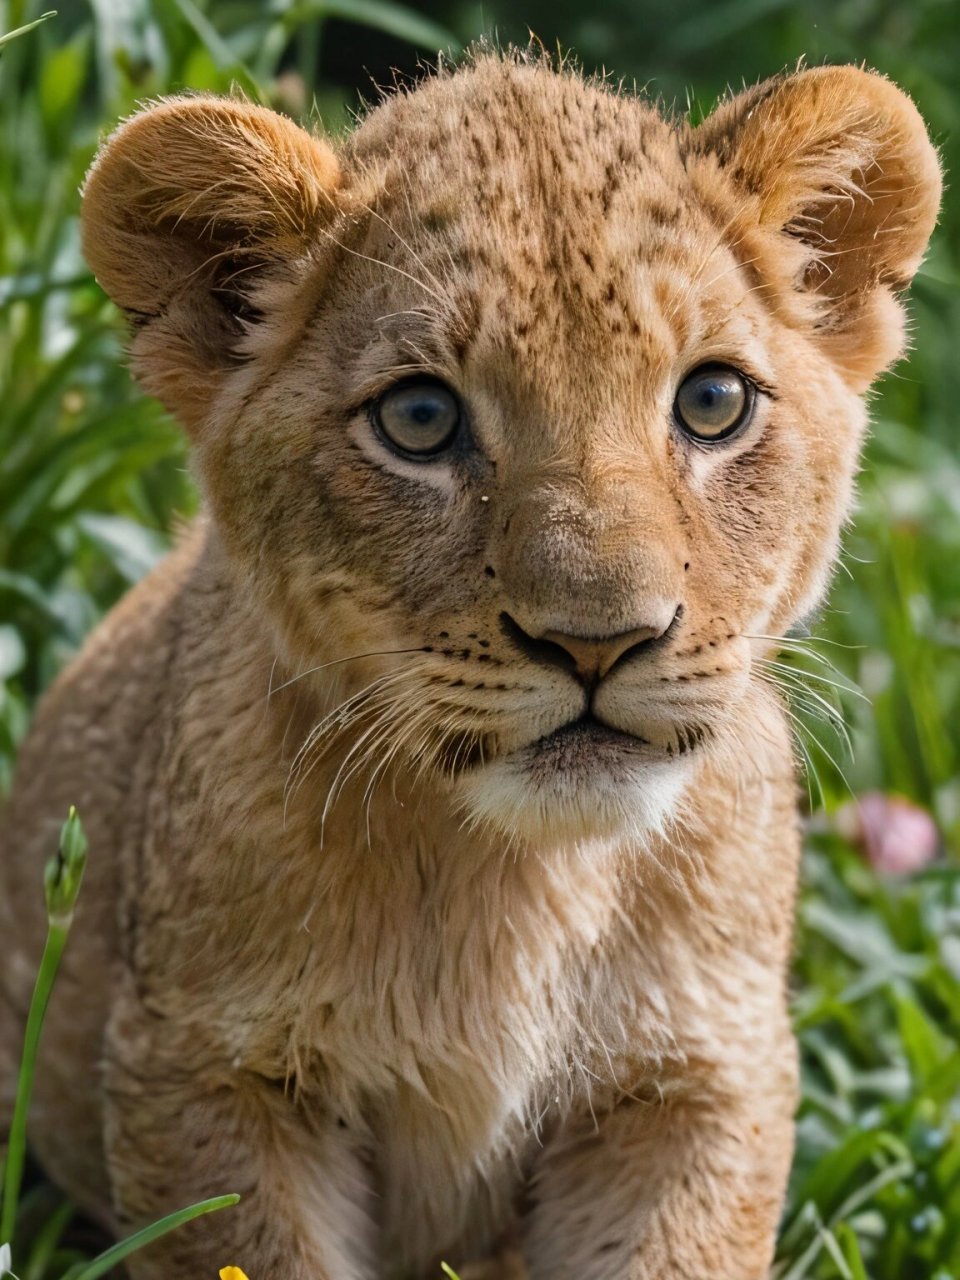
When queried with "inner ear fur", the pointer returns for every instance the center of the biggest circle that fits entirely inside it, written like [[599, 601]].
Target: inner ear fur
[[836, 173], [182, 202]]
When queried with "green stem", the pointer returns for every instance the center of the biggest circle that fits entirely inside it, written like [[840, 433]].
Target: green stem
[[16, 1149], [107, 1260]]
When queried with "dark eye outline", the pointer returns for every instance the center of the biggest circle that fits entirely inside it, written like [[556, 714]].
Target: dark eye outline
[[735, 428], [417, 455]]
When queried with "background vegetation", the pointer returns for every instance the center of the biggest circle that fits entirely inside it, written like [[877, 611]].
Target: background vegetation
[[92, 476]]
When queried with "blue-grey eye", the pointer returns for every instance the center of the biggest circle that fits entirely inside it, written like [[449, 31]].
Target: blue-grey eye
[[421, 418], [713, 403]]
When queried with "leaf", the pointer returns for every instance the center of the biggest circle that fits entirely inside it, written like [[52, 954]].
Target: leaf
[[827, 1183], [847, 1239], [218, 48], [395, 19], [719, 22], [62, 77], [132, 549], [925, 1045], [46, 1240], [18, 584], [13, 655], [22, 31], [107, 1260]]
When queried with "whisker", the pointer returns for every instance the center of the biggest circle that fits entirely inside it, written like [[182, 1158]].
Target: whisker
[[430, 275], [336, 662], [811, 701], [798, 732], [391, 266], [336, 720], [797, 673], [805, 729], [358, 754], [787, 642]]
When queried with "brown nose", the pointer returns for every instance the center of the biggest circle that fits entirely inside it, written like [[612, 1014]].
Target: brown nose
[[594, 658], [589, 657]]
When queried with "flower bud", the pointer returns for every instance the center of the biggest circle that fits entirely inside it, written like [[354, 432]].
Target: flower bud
[[64, 871]]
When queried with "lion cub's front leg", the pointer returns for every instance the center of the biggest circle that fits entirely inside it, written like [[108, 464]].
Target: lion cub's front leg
[[687, 1187], [181, 1128]]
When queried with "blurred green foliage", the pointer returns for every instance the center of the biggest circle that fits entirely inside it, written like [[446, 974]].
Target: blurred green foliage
[[93, 477]]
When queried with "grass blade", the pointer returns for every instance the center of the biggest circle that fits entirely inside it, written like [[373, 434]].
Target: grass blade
[[107, 1260], [29, 26]]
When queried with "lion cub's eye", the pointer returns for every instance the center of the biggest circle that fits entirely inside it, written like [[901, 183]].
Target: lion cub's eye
[[418, 417], [713, 403]]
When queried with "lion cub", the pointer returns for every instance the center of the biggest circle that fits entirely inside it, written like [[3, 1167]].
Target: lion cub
[[443, 835]]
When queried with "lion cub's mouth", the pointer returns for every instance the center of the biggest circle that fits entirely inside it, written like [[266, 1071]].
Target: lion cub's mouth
[[582, 745]]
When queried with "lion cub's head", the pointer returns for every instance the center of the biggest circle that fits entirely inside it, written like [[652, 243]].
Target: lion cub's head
[[548, 405]]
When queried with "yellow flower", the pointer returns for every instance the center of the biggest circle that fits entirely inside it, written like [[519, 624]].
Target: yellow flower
[[231, 1273]]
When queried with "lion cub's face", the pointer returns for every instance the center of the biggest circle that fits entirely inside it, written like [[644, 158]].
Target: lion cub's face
[[546, 405]]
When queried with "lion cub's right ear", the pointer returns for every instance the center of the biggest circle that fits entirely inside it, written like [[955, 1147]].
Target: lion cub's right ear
[[180, 203]]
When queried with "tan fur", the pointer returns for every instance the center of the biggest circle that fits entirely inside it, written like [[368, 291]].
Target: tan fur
[[352, 943]]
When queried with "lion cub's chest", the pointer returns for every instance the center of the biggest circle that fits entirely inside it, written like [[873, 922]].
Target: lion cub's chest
[[447, 1023], [472, 992], [446, 1012], [482, 980]]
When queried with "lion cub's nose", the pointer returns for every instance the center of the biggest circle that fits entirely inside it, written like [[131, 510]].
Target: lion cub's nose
[[593, 659], [590, 658]]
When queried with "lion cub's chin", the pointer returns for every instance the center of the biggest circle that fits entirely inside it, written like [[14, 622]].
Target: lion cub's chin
[[571, 788]]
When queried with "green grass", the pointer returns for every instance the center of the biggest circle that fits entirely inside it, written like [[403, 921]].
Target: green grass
[[877, 1008], [93, 477]]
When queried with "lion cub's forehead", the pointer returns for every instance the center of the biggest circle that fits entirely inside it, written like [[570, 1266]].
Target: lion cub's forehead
[[506, 146], [547, 206]]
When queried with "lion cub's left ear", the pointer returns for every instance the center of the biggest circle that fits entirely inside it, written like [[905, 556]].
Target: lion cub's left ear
[[838, 188], [182, 203]]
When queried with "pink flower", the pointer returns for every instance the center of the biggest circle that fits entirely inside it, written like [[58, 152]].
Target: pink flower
[[896, 836]]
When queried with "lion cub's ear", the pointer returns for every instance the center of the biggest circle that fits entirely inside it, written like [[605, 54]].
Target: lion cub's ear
[[836, 162], [181, 203]]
